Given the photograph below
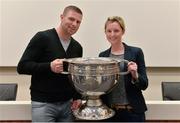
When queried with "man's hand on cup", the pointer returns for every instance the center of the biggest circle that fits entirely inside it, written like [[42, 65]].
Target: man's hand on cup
[[76, 104], [57, 65]]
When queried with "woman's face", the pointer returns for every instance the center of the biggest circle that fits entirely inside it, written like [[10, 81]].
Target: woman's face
[[113, 32]]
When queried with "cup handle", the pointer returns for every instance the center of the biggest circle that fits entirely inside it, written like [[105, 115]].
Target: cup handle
[[65, 67], [126, 61]]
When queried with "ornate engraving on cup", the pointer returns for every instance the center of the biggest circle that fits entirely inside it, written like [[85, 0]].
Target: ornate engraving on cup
[[93, 77]]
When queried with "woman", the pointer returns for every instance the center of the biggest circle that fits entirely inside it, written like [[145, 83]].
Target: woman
[[126, 98]]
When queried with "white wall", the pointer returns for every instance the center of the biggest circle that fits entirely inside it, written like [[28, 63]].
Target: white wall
[[156, 76], [9, 75], [153, 25], [157, 110], [153, 92]]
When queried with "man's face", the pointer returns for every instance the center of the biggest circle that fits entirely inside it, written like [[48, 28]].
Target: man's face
[[70, 22]]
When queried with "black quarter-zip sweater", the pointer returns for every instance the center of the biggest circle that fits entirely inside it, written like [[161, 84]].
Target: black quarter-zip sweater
[[47, 86]]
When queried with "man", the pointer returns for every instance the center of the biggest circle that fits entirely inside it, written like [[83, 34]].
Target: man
[[51, 91]]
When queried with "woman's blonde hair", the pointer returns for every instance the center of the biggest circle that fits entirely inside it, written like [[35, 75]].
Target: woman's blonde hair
[[117, 19]]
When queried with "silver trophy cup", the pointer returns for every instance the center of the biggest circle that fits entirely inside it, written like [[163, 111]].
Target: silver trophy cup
[[93, 77]]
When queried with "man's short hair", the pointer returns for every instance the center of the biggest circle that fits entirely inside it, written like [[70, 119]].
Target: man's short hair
[[74, 8]]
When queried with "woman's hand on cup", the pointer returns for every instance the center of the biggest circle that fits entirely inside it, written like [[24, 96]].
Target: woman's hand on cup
[[132, 68]]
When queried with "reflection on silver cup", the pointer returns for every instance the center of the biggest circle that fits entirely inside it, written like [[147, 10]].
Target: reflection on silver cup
[[93, 77]]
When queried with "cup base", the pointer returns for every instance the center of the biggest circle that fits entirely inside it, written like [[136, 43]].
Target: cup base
[[86, 112]]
